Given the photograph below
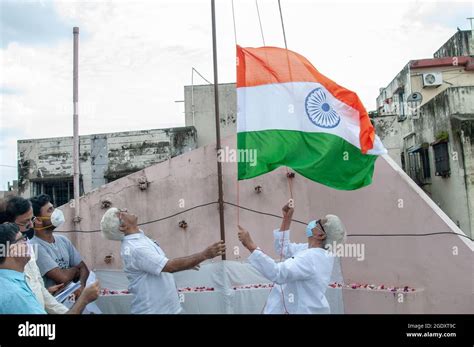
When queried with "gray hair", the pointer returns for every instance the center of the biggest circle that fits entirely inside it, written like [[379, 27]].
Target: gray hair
[[335, 230], [110, 225]]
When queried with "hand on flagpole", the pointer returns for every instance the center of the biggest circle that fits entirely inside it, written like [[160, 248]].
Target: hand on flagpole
[[287, 212]]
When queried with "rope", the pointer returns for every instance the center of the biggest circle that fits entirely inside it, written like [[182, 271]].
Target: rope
[[260, 22], [233, 19], [282, 24]]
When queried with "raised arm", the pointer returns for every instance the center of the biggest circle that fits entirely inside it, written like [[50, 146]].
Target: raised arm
[[282, 244], [287, 212]]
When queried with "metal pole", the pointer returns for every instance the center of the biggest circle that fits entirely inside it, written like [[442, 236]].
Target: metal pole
[[75, 149], [218, 132], [192, 95]]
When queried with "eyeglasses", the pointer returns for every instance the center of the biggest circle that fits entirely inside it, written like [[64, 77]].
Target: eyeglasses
[[321, 225], [31, 221]]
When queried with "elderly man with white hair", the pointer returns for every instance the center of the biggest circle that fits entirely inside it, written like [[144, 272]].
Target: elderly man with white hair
[[302, 279], [148, 269]]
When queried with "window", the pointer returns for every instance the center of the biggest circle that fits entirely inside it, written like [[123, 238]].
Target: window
[[61, 191], [419, 164], [401, 107], [441, 159]]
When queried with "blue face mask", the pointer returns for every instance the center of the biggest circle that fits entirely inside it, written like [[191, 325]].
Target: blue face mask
[[310, 227]]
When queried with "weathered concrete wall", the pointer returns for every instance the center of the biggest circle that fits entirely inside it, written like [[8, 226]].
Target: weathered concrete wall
[[389, 130], [450, 193], [39, 158], [463, 132], [439, 266], [204, 119], [103, 157], [459, 44], [452, 76], [436, 116], [399, 82], [440, 104]]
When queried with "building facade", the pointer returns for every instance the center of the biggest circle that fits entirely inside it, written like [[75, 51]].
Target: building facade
[[199, 111], [425, 119], [46, 165]]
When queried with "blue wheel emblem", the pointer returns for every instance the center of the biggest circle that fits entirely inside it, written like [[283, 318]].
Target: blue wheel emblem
[[319, 110]]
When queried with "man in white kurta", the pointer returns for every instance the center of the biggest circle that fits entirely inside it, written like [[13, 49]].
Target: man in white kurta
[[301, 280], [149, 271]]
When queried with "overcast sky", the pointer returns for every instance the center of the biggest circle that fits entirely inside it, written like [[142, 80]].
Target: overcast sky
[[136, 56]]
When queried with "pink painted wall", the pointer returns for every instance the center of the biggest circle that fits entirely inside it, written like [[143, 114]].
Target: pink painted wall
[[440, 266]]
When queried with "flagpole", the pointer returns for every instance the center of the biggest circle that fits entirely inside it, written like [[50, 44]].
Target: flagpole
[[218, 132], [75, 148], [289, 69]]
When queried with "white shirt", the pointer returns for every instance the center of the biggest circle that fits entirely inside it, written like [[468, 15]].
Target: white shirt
[[154, 291], [36, 283], [302, 279]]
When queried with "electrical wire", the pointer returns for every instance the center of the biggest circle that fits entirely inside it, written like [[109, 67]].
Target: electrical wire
[[279, 217]]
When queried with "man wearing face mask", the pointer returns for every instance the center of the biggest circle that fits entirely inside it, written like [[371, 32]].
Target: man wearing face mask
[[19, 211], [58, 259], [16, 296], [301, 280]]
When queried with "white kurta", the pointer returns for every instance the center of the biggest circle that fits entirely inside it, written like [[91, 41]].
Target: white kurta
[[154, 291], [300, 281], [36, 283]]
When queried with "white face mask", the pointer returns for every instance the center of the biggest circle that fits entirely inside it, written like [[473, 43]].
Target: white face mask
[[57, 217]]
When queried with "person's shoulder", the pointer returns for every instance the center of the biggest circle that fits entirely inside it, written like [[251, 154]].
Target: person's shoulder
[[36, 240], [128, 247], [9, 290], [126, 242], [62, 239], [40, 246], [138, 242]]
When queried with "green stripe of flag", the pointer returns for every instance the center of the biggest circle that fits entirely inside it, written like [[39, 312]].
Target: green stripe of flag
[[321, 157]]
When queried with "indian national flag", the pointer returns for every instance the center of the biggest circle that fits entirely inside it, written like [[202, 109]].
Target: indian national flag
[[294, 116]]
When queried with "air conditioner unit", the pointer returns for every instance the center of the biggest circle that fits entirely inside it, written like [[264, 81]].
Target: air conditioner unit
[[432, 79]]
